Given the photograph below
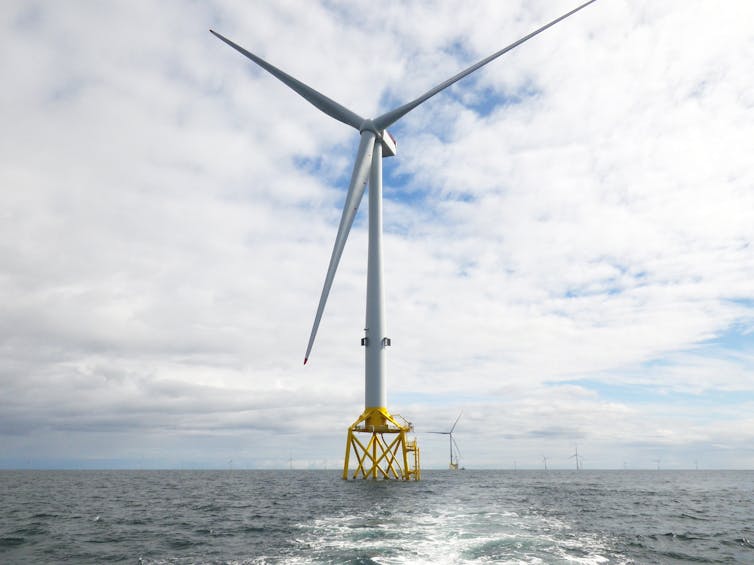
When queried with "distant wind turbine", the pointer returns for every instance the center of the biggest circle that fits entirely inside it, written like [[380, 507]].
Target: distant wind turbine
[[658, 461], [545, 461], [377, 458], [453, 466], [578, 458]]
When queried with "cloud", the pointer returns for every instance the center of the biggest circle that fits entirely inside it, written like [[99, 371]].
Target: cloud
[[568, 234]]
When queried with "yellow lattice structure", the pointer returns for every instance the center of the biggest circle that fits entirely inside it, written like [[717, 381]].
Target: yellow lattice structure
[[387, 452]]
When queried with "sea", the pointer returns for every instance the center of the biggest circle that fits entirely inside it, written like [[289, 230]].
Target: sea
[[290, 516]]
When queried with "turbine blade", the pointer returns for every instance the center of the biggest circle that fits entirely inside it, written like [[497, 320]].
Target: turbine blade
[[319, 100], [355, 191], [454, 423], [458, 451], [389, 118]]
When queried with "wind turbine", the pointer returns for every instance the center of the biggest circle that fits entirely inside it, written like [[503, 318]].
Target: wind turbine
[[379, 458], [577, 457], [545, 462], [453, 466]]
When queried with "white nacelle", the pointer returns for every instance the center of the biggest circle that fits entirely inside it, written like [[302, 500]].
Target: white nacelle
[[389, 145]]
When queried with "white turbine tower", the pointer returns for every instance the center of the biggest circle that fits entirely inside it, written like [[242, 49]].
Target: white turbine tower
[[379, 458]]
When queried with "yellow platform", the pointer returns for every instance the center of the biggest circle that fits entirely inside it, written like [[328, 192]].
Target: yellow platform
[[380, 457]]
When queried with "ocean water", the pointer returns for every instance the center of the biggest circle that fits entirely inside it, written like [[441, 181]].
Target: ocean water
[[589, 517]]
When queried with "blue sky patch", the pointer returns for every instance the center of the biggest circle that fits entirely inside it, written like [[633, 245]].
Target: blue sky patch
[[738, 337]]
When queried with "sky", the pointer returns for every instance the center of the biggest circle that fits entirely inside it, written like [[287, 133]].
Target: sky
[[568, 233]]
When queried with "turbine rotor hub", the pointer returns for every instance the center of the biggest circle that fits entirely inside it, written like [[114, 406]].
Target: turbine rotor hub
[[368, 125], [389, 145]]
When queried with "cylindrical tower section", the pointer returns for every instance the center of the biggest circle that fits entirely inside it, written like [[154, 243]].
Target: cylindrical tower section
[[375, 343]]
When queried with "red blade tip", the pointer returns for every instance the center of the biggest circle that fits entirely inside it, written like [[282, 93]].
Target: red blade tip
[[305, 360]]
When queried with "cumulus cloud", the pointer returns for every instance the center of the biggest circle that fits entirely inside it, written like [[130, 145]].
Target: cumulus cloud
[[568, 232]]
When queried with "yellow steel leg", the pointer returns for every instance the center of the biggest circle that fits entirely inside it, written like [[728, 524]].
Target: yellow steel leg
[[348, 454]]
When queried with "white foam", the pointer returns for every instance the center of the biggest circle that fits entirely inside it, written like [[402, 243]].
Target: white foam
[[450, 535]]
